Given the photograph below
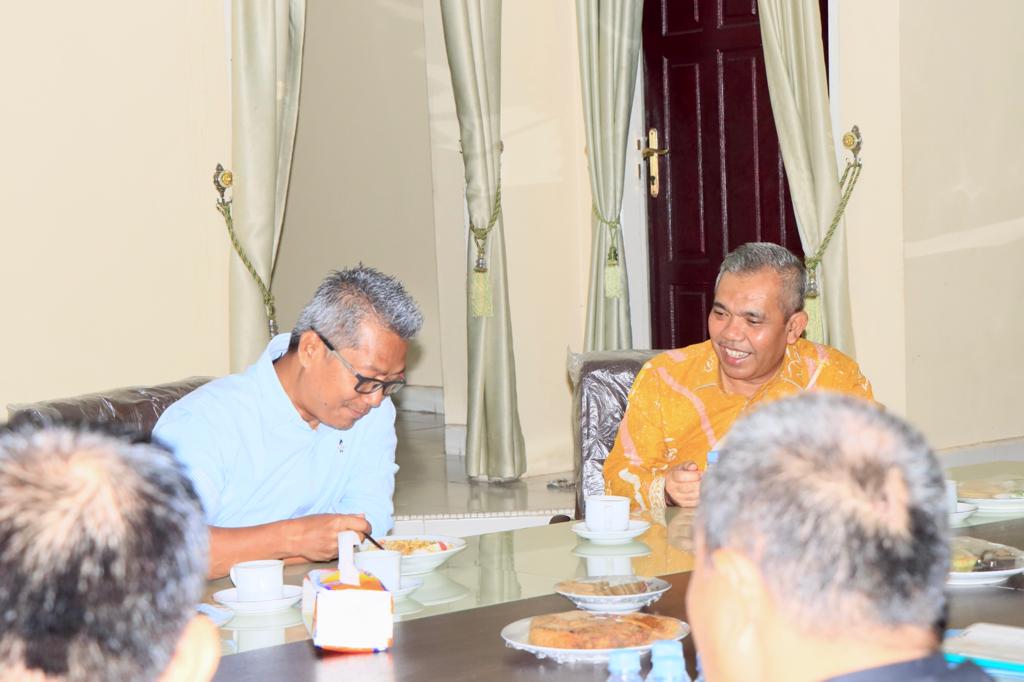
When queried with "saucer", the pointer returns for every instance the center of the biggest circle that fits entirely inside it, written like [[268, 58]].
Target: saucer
[[290, 594], [409, 584], [611, 537]]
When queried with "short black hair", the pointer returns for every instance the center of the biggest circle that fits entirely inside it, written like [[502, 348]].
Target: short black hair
[[103, 553]]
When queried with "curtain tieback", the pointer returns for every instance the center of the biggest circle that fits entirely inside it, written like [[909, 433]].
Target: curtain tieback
[[612, 267], [222, 182], [852, 141], [481, 302]]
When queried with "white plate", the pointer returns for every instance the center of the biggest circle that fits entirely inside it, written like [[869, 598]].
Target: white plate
[[963, 511], [611, 537], [988, 504], [408, 585], [417, 564], [517, 636], [290, 594], [617, 603], [981, 577]]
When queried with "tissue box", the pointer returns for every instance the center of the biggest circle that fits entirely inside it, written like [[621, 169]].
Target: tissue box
[[347, 617]]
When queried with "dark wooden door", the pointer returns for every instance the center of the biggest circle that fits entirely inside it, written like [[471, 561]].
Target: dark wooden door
[[722, 182]]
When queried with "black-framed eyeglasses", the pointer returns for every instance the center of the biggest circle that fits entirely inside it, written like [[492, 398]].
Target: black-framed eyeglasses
[[364, 385]]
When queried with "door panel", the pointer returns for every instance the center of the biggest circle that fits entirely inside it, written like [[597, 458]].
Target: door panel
[[723, 182]]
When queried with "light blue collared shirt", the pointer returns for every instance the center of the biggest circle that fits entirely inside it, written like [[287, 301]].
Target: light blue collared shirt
[[254, 460]]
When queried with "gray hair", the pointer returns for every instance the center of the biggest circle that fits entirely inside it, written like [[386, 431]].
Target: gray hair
[[347, 298], [841, 505], [103, 553], [756, 256]]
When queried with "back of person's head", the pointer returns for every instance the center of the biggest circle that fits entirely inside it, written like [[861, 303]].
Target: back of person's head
[[842, 507], [103, 553], [347, 299], [759, 256]]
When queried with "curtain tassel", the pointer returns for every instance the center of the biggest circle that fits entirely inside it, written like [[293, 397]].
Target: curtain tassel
[[812, 306], [612, 276], [480, 299]]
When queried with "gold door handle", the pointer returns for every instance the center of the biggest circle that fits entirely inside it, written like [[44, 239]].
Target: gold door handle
[[651, 153]]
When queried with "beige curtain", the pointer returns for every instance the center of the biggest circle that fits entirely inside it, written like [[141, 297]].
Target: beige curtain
[[795, 63], [609, 45], [266, 64], [494, 437]]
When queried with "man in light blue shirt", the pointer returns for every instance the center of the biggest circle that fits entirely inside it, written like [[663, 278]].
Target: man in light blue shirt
[[301, 445]]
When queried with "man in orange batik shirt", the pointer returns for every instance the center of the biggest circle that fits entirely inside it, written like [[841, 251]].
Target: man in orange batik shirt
[[684, 401]]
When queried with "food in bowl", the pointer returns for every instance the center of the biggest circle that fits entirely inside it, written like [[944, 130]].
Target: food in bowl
[[602, 588], [411, 547], [585, 630], [974, 555]]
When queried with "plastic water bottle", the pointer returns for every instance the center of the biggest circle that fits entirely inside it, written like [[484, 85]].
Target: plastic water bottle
[[667, 663], [700, 671], [624, 666]]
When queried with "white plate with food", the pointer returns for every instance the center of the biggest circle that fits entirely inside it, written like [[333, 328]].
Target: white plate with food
[[614, 593], [611, 537], [420, 553], [567, 637], [996, 505], [977, 578], [975, 561], [963, 511]]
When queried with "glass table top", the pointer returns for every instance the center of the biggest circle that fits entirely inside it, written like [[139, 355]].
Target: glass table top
[[506, 566], [493, 569]]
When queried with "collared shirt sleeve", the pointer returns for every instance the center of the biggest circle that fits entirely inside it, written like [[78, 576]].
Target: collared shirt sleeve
[[629, 470], [193, 440], [372, 485]]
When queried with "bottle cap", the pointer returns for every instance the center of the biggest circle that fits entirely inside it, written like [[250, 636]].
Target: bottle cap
[[624, 661], [667, 648]]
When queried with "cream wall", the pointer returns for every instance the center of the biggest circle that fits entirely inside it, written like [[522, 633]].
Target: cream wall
[[963, 216], [546, 202], [361, 185], [114, 261], [936, 226]]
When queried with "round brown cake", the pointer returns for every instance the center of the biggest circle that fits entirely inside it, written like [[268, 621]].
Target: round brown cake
[[585, 630]]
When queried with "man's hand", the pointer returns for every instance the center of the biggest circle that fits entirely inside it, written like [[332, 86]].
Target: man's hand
[[682, 485], [316, 537]]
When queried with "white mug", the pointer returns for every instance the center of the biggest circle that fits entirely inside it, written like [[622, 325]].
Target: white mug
[[607, 513], [951, 495], [384, 565], [258, 580]]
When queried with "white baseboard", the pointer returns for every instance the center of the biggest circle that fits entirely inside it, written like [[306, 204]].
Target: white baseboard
[[420, 399], [455, 439]]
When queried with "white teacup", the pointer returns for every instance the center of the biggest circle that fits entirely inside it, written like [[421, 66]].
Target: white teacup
[[258, 580], [951, 495], [607, 513], [384, 565]]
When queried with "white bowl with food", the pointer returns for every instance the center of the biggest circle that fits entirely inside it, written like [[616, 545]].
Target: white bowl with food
[[420, 553], [613, 593]]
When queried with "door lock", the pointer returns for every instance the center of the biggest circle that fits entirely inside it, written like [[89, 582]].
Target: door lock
[[651, 152]]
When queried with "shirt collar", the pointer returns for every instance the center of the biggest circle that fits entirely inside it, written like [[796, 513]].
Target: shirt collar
[[926, 668], [276, 407]]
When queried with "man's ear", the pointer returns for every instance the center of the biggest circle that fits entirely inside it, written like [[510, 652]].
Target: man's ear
[[795, 326], [742, 580], [309, 344], [197, 654]]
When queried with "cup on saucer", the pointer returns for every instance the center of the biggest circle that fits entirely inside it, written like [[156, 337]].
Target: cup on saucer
[[260, 580], [606, 513]]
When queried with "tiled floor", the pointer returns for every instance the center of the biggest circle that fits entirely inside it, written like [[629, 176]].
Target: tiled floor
[[432, 488]]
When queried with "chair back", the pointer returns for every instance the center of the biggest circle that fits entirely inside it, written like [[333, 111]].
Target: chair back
[[136, 408], [601, 381]]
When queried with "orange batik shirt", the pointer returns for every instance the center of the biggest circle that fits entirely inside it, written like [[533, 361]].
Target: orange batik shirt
[[678, 411]]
